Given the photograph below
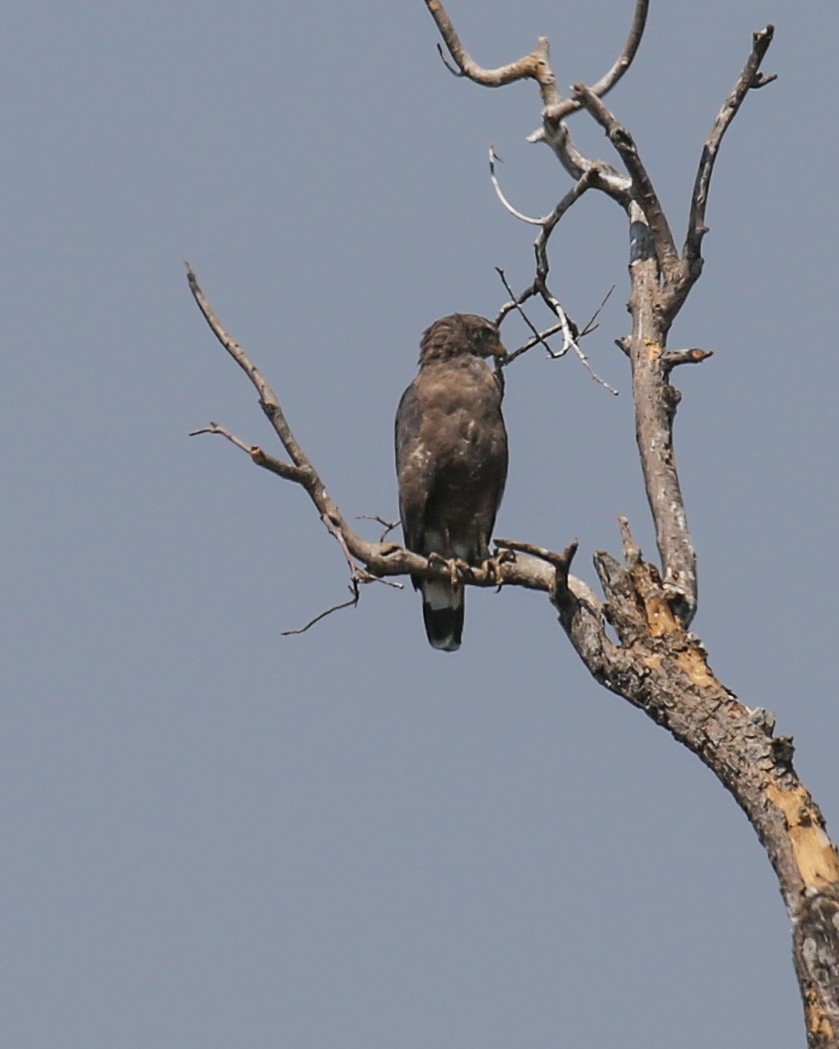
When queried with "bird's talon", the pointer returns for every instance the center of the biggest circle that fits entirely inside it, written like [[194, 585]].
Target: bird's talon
[[492, 565], [456, 566]]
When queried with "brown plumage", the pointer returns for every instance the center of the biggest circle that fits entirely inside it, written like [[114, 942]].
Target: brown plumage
[[451, 459]]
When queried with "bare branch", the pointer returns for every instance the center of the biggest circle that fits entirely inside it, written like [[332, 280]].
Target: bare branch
[[267, 398], [539, 286], [551, 556], [351, 603], [586, 363], [749, 79], [672, 358], [550, 222], [554, 114], [603, 176], [624, 60], [452, 69], [335, 529], [655, 403], [261, 458], [536, 65], [537, 340], [387, 525], [559, 562], [643, 190], [537, 337], [570, 334], [569, 331], [591, 323], [580, 611]]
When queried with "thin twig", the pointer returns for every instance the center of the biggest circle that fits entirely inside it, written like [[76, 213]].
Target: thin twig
[[569, 337], [565, 590], [259, 456], [583, 358], [452, 69], [223, 432], [748, 80], [535, 341], [514, 303], [352, 603], [536, 335], [493, 156], [540, 338], [590, 324], [550, 222], [387, 525], [542, 552], [554, 114], [569, 341]]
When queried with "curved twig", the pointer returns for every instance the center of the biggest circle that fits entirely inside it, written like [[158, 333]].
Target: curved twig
[[557, 112], [493, 156], [624, 60], [536, 65], [349, 603]]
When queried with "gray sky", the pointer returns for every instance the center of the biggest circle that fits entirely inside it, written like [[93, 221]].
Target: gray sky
[[215, 836]]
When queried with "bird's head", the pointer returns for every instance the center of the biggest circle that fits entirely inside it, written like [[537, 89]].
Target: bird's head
[[459, 334]]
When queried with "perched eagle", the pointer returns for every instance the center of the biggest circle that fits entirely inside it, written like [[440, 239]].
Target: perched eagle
[[451, 460]]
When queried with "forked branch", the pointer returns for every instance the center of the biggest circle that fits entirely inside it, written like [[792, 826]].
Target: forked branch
[[643, 191], [661, 279], [656, 665]]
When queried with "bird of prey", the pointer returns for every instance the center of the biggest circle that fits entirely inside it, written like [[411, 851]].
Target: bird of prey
[[451, 460]]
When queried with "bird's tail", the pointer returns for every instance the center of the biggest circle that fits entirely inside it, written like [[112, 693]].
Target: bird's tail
[[442, 611]]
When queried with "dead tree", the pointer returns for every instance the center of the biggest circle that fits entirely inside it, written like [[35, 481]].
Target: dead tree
[[656, 664]]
